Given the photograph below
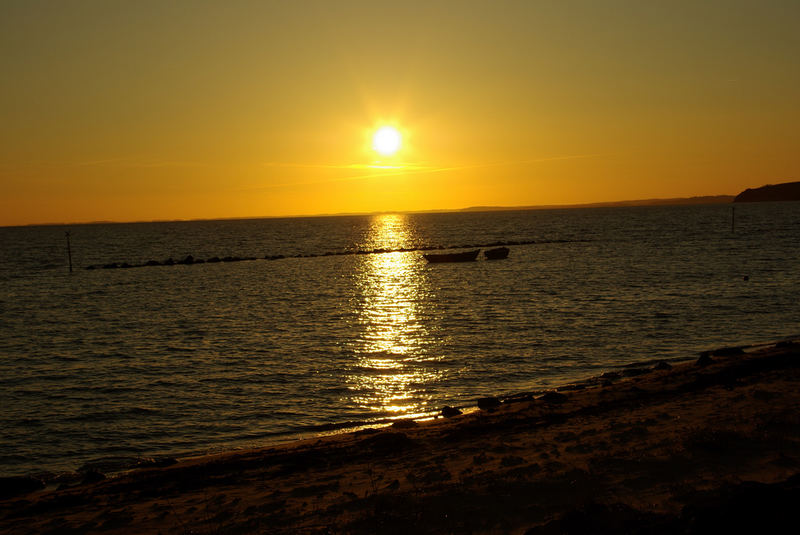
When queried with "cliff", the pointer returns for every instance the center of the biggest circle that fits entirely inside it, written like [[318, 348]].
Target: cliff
[[789, 191]]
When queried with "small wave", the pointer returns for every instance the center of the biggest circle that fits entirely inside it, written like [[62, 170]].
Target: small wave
[[112, 415]]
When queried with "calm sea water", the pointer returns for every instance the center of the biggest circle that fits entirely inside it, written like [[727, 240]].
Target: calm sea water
[[115, 364]]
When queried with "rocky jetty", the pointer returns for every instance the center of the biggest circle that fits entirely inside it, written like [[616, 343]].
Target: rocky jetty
[[190, 260]]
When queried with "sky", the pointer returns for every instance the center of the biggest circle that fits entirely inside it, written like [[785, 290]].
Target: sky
[[149, 110]]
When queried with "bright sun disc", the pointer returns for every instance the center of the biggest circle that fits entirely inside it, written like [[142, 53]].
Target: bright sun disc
[[386, 140]]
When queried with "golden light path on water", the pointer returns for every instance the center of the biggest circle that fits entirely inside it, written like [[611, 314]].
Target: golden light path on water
[[394, 347]]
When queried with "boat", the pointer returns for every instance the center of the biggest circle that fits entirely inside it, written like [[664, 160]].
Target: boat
[[496, 254], [467, 256]]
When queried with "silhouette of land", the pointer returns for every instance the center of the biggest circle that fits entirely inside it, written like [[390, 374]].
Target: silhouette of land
[[788, 191], [676, 201], [708, 445]]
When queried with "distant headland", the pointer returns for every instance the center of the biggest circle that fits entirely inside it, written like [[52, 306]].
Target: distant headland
[[788, 191], [707, 199]]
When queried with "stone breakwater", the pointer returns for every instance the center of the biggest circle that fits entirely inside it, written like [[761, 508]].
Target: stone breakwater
[[190, 260]]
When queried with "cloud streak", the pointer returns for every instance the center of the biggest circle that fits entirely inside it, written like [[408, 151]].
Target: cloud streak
[[399, 170]]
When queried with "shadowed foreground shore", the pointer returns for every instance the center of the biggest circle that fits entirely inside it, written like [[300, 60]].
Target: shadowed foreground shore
[[698, 447]]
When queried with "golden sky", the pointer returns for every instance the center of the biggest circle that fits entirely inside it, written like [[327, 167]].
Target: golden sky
[[141, 110]]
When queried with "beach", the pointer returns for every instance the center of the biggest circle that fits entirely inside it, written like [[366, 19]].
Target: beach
[[709, 443]]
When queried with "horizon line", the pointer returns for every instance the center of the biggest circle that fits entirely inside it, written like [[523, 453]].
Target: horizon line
[[656, 201]]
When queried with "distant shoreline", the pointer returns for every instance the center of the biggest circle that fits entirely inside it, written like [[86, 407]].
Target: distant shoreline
[[677, 201]]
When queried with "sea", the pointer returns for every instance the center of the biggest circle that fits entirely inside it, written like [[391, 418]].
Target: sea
[[344, 323]]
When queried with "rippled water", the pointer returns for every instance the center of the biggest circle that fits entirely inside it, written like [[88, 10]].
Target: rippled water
[[168, 360]]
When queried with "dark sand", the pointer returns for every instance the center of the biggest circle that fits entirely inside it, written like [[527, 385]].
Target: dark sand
[[697, 448]]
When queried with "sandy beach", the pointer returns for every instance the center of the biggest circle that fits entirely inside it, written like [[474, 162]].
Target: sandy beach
[[704, 445]]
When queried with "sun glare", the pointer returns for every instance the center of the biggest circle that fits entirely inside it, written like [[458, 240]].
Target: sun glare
[[386, 140]]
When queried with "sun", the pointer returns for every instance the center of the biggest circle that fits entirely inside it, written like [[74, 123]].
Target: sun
[[387, 140]]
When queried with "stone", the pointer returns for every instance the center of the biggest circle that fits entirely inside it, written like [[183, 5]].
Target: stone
[[727, 352], [610, 375], [633, 372], [449, 412], [92, 476], [553, 397], [488, 403], [704, 360], [404, 424]]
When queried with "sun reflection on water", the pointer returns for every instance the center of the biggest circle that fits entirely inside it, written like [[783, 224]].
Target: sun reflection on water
[[394, 361]]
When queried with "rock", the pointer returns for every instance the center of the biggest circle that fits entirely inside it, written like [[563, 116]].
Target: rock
[[634, 372], [449, 412], [704, 360], [661, 365], [92, 476], [213, 260], [487, 404], [152, 263], [610, 375], [160, 462], [553, 397], [18, 485], [404, 424], [169, 262], [727, 352], [187, 261]]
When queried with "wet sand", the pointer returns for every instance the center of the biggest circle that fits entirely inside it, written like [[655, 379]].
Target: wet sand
[[703, 446]]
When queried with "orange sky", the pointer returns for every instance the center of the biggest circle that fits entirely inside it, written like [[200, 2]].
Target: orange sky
[[144, 110]]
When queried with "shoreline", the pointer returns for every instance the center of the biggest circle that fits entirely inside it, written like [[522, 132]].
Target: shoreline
[[639, 448], [114, 466]]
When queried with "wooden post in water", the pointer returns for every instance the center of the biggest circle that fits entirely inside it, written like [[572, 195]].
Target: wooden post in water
[[69, 252], [733, 218]]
